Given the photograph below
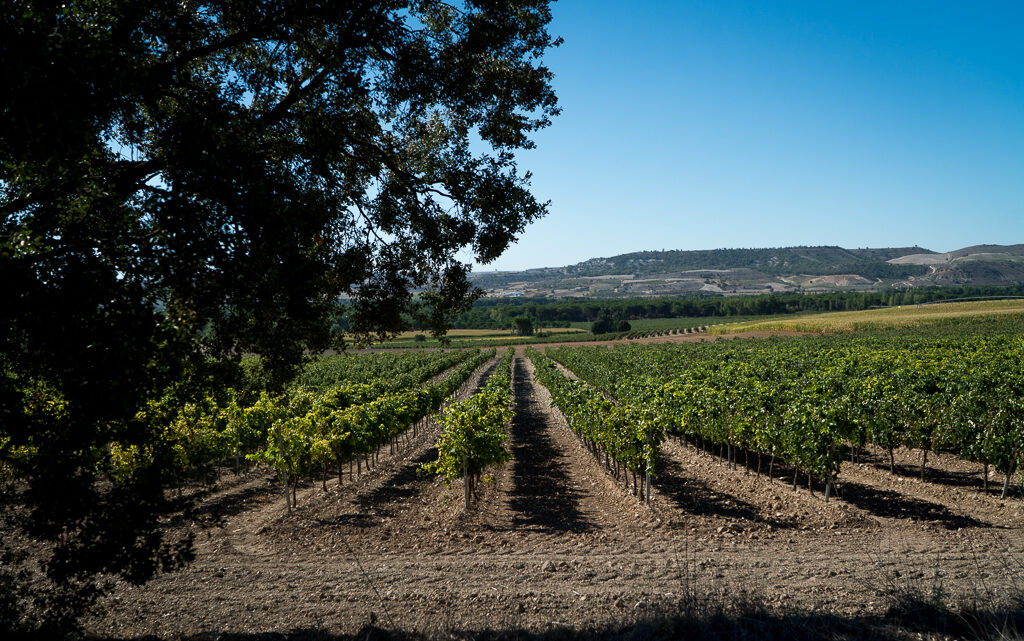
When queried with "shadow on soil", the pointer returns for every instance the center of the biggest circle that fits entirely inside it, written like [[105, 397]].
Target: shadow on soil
[[212, 509], [892, 504], [698, 499], [400, 485], [701, 623], [542, 493], [966, 480], [397, 487], [695, 497]]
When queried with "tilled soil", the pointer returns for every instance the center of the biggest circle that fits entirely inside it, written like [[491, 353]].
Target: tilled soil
[[554, 540]]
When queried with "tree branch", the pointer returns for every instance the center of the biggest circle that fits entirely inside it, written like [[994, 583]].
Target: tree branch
[[234, 39], [297, 91]]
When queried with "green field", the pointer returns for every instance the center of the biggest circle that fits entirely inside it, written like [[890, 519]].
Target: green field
[[666, 324], [461, 338], [804, 322], [889, 317]]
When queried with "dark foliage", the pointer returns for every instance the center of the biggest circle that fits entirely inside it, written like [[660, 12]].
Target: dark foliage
[[497, 312], [182, 183], [602, 325], [523, 325]]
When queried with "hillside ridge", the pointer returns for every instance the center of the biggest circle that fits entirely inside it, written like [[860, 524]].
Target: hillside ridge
[[737, 271]]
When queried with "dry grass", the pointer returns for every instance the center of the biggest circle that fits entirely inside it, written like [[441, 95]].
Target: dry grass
[[903, 316]]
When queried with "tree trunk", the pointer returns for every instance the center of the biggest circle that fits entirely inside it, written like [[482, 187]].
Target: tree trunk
[[892, 461], [796, 470], [924, 461]]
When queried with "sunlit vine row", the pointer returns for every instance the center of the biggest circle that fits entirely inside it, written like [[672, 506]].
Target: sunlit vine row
[[811, 401], [300, 433], [475, 431], [626, 435]]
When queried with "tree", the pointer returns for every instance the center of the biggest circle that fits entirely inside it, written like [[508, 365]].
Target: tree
[[523, 325], [623, 326], [185, 182], [602, 325]]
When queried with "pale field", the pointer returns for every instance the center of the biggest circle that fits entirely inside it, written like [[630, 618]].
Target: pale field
[[902, 316], [486, 333]]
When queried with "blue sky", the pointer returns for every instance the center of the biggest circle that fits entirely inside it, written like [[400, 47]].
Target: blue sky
[[706, 124]]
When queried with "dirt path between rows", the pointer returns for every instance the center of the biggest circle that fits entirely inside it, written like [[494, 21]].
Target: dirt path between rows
[[555, 541], [548, 488]]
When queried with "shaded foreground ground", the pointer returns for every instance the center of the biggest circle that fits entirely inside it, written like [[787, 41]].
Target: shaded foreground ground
[[557, 548]]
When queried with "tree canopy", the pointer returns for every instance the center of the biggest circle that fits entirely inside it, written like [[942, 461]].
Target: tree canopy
[[185, 182], [523, 325]]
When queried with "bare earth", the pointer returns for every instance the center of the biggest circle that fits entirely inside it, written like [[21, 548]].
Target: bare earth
[[555, 541]]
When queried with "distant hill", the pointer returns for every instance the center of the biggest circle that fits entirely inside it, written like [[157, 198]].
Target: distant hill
[[757, 271], [816, 261]]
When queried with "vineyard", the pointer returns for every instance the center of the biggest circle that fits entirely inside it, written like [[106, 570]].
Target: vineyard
[[455, 489], [278, 360], [809, 402], [339, 411]]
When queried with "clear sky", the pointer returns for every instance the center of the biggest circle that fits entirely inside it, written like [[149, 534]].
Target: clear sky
[[719, 123]]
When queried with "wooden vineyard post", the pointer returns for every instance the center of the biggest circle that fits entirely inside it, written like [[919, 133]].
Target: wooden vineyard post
[[465, 478], [1006, 481], [287, 495]]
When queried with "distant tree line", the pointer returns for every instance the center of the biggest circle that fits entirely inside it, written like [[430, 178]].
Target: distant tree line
[[499, 313]]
